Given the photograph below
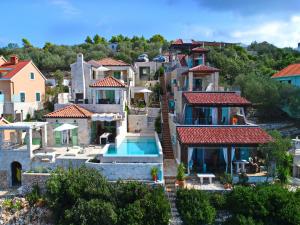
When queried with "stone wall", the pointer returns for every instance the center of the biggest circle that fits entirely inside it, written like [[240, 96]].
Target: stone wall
[[84, 129], [137, 122], [4, 179], [126, 171], [31, 179]]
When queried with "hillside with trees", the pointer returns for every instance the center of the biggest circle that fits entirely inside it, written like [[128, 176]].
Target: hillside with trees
[[246, 69], [52, 57]]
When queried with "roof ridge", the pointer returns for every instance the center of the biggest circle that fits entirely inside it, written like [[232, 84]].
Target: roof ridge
[[81, 109]]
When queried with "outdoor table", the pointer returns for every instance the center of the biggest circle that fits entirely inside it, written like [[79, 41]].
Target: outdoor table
[[240, 165], [210, 176]]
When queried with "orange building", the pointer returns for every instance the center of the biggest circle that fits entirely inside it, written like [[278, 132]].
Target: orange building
[[22, 87]]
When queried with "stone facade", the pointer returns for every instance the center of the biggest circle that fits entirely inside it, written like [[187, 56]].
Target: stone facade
[[31, 179], [4, 179], [84, 129]]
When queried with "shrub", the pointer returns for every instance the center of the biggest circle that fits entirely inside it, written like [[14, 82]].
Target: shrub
[[157, 207], [157, 124], [242, 220], [269, 204], [94, 211], [217, 200], [33, 196], [65, 187], [180, 172], [83, 196], [226, 179], [194, 207]]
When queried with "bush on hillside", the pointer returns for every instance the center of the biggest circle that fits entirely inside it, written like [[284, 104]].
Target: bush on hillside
[[194, 207], [83, 196]]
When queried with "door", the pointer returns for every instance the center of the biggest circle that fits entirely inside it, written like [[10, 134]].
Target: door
[[75, 136], [16, 174]]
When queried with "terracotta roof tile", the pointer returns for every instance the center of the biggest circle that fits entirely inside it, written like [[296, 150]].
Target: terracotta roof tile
[[177, 42], [291, 70], [71, 111], [203, 68], [110, 62], [9, 70], [215, 98], [242, 135], [198, 49], [108, 82]]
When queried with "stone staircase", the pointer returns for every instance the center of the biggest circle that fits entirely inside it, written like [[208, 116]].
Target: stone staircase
[[171, 195], [166, 143]]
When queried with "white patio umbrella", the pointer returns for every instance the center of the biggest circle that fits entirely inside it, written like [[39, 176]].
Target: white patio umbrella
[[102, 69], [146, 93], [65, 127]]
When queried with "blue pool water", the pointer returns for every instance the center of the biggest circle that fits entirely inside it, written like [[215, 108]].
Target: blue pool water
[[134, 146]]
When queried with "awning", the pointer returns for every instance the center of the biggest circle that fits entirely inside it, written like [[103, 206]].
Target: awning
[[144, 90], [65, 126], [102, 69], [106, 117]]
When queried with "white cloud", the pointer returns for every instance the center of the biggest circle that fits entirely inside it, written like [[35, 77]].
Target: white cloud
[[66, 6], [280, 33]]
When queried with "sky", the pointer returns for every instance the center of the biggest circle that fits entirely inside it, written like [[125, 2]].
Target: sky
[[70, 21]]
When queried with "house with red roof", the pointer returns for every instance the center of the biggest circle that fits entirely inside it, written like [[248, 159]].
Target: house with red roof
[[22, 88], [289, 75], [208, 126], [85, 73], [2, 60]]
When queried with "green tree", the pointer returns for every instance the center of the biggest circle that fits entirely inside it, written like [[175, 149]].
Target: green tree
[[88, 40], [99, 40], [277, 152], [157, 38], [26, 43]]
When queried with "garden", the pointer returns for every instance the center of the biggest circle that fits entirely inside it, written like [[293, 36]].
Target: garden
[[265, 204], [83, 196]]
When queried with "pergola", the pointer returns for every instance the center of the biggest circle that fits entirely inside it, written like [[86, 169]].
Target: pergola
[[21, 127]]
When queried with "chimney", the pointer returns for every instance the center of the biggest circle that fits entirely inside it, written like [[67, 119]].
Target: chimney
[[80, 57], [14, 59]]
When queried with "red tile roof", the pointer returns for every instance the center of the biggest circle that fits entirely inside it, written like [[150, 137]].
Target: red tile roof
[[71, 111], [242, 135], [108, 82], [215, 98], [204, 69], [291, 70], [198, 49], [9, 70], [177, 42], [111, 62]]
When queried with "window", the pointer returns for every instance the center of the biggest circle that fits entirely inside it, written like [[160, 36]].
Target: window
[[105, 97], [289, 81], [145, 73], [38, 97], [22, 96], [117, 74], [32, 76]]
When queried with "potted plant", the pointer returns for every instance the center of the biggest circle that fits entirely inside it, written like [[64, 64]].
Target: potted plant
[[227, 181], [181, 175], [154, 173]]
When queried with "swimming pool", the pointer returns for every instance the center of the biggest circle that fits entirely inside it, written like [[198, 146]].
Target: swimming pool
[[134, 146]]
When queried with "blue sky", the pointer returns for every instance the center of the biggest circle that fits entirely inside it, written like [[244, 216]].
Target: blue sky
[[70, 21]]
